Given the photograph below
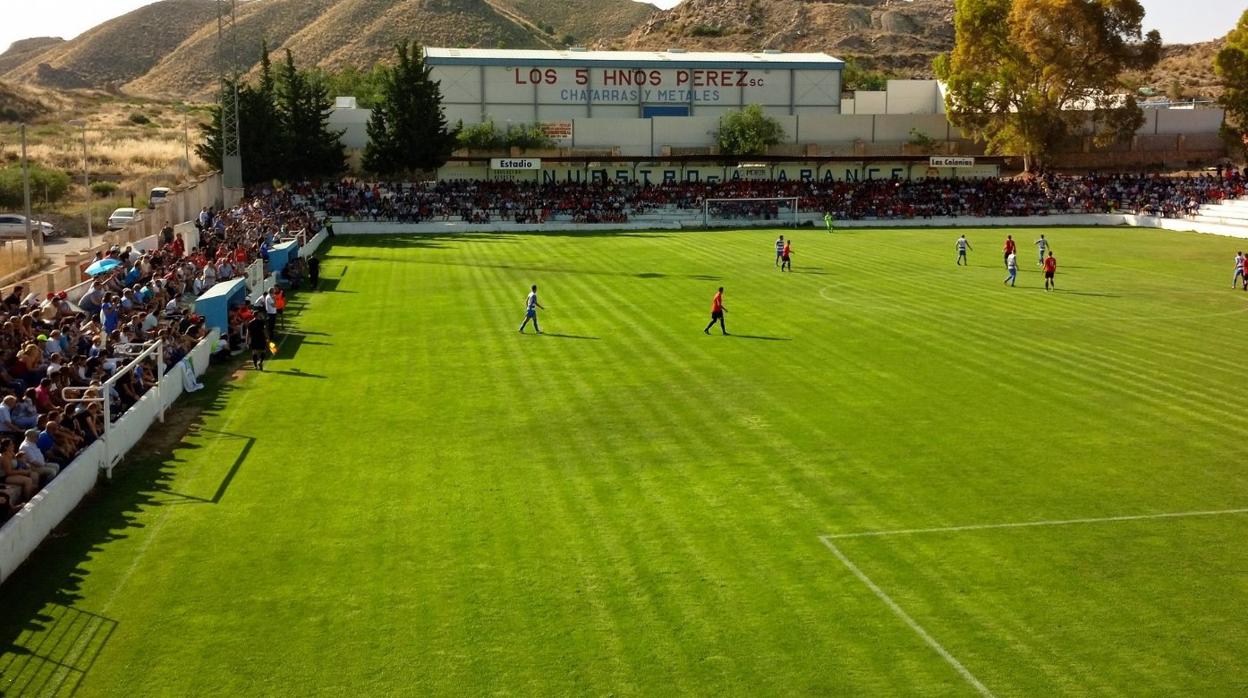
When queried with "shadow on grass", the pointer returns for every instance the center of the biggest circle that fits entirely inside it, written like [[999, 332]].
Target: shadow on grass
[[567, 336], [331, 286], [45, 670], [755, 336], [47, 643]]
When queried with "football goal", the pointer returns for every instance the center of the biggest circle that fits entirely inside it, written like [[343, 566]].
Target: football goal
[[774, 211]]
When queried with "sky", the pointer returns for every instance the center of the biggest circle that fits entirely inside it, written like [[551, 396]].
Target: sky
[[1178, 20]]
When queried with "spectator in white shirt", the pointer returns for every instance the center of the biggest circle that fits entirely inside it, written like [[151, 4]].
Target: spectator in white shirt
[[30, 454]]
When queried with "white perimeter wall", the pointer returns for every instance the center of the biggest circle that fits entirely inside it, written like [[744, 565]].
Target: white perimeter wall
[[24, 532]]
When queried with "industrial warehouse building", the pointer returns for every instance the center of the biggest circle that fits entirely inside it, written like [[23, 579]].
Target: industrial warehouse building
[[652, 116], [540, 86]]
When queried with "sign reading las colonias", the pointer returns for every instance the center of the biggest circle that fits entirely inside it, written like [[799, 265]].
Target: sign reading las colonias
[[637, 85]]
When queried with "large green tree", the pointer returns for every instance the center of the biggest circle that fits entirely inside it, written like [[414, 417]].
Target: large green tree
[[748, 131], [407, 131], [1231, 65], [303, 105], [1025, 74]]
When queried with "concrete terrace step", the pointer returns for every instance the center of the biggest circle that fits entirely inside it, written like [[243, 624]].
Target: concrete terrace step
[[1238, 223], [1223, 212]]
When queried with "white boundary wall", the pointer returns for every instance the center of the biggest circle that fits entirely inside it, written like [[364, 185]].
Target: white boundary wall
[[23, 533], [693, 220]]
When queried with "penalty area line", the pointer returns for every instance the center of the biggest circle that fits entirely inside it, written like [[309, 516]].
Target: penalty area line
[[907, 619], [1032, 524]]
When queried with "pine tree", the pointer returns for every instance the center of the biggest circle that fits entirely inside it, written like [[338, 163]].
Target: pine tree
[[312, 149], [407, 130]]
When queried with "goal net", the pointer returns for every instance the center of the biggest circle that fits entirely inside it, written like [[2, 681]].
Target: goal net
[[774, 211]]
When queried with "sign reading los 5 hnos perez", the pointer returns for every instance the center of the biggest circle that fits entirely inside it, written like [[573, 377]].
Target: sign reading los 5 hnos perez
[[945, 161], [630, 86], [515, 163]]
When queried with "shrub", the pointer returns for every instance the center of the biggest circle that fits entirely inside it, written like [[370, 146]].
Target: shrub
[[482, 136], [140, 119], [706, 30], [527, 136], [54, 182], [103, 188]]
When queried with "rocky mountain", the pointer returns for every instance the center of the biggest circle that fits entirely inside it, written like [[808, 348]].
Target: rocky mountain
[[901, 36], [168, 48]]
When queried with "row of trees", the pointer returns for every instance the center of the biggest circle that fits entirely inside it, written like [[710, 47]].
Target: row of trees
[[284, 132]]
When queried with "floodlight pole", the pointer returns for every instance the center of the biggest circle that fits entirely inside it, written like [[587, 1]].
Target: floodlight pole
[[228, 70]]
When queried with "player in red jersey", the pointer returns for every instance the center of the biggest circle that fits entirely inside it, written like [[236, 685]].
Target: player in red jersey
[[1009, 248], [1050, 268], [717, 312]]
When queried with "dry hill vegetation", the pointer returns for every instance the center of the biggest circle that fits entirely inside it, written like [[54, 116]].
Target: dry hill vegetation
[[19, 104], [902, 37], [134, 143], [1186, 71], [168, 49]]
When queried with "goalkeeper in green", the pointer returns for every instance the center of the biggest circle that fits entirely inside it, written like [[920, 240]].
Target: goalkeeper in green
[[827, 220]]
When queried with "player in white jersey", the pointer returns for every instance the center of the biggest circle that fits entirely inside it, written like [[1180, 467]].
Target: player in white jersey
[[963, 245], [1043, 246], [779, 249], [1011, 263], [530, 311], [1239, 269]]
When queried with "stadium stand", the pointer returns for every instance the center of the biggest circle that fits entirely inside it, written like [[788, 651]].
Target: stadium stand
[[55, 343], [612, 202]]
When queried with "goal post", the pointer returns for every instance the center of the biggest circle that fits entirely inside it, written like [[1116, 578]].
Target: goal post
[[770, 211]]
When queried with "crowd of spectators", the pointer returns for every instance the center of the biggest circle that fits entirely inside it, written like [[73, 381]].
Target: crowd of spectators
[[59, 352], [614, 202]]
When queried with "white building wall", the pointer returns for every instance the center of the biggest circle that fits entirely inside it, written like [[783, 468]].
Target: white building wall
[[632, 136], [870, 102], [834, 128], [1176, 121], [912, 97], [354, 124]]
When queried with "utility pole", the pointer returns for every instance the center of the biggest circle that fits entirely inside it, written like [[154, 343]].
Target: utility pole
[[86, 178], [26, 196]]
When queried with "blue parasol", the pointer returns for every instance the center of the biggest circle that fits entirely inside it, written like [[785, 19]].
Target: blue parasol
[[102, 266]]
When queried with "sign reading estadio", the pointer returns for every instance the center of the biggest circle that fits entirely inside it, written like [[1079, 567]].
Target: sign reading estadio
[[515, 163], [945, 161]]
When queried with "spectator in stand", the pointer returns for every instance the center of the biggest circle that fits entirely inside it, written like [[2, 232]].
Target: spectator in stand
[[33, 458], [16, 472]]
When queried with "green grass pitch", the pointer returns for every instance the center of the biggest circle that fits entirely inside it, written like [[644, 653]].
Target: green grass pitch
[[416, 500]]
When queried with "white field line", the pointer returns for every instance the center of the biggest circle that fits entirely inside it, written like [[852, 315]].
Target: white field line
[[1031, 524], [914, 625]]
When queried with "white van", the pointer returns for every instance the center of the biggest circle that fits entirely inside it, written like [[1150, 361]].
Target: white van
[[158, 196]]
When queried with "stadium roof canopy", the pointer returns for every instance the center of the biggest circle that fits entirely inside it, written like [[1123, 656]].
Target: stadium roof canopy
[[672, 58]]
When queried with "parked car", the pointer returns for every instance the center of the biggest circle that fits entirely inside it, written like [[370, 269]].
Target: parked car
[[158, 196], [13, 226], [122, 217]]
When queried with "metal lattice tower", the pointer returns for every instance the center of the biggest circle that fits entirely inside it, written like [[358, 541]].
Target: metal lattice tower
[[228, 70]]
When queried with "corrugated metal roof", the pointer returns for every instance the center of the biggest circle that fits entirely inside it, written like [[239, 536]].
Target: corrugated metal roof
[[639, 59]]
